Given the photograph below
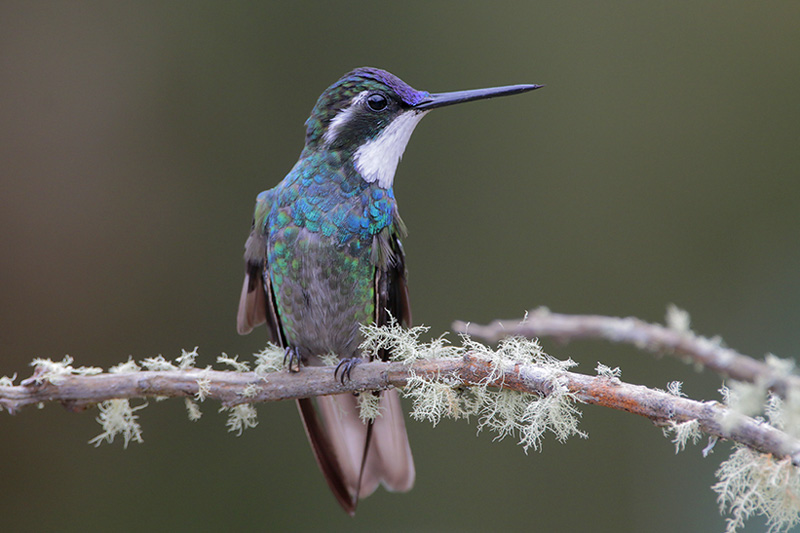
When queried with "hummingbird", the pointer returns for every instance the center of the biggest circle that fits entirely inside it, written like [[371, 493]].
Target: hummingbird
[[324, 257]]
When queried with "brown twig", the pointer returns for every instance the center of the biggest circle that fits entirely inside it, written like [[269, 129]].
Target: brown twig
[[77, 392], [651, 337]]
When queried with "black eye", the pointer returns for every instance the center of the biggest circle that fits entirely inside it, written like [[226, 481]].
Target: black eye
[[377, 102]]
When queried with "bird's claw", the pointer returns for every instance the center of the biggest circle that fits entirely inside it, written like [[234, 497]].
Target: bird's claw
[[291, 359], [344, 368]]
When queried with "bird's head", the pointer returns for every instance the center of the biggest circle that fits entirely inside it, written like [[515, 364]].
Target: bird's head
[[369, 115]]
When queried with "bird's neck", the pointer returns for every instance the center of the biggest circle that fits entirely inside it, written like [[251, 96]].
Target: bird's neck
[[376, 160]]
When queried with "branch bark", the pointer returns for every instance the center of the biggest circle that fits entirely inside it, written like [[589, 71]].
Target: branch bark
[[654, 338], [77, 392]]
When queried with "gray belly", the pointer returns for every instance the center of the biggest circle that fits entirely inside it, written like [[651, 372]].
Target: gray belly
[[325, 297]]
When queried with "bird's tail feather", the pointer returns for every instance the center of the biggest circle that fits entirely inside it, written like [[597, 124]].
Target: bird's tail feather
[[352, 470], [325, 455]]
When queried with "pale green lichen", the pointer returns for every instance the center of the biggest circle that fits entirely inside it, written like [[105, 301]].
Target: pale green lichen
[[187, 359], [505, 412], [203, 389], [233, 362], [608, 372], [514, 351], [122, 368], [192, 409], [404, 343], [784, 413], [775, 411], [268, 360], [556, 413], [674, 388], [529, 416], [752, 399], [329, 359], [682, 433], [6, 381], [240, 417], [369, 406], [432, 400], [118, 418], [783, 367], [250, 390], [158, 364], [741, 398], [678, 320], [56, 371], [751, 483]]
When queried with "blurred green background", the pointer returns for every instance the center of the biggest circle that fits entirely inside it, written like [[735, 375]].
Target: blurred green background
[[659, 165]]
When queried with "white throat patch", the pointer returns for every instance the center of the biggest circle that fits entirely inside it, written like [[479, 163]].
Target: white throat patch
[[377, 159]]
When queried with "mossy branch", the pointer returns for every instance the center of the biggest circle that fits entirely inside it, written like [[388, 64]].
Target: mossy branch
[[515, 389], [673, 339], [232, 388]]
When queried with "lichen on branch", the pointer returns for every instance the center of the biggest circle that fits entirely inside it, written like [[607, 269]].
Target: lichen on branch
[[515, 389]]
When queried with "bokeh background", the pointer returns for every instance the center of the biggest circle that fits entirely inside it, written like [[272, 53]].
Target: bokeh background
[[659, 165]]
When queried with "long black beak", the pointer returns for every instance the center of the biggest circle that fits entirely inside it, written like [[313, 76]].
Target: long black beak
[[443, 99]]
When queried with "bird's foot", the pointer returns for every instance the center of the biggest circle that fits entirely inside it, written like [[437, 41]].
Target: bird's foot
[[291, 359], [344, 368]]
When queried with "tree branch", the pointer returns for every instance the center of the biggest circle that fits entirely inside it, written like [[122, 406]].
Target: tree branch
[[677, 341], [77, 392]]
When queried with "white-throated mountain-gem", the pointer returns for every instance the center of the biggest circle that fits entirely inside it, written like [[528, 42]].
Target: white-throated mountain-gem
[[324, 257]]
